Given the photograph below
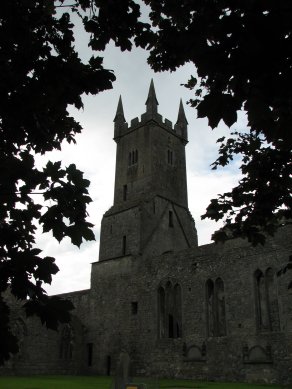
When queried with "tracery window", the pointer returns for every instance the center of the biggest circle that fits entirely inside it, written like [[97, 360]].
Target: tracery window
[[133, 157], [19, 329], [169, 310], [66, 342], [215, 308], [210, 307], [266, 301]]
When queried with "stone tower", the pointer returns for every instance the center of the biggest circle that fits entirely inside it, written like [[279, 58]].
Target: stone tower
[[150, 213]]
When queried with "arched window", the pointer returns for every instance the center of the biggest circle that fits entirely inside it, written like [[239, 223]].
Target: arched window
[[169, 311], [261, 301], [133, 157], [220, 307], [210, 307], [169, 157], [272, 300], [177, 311], [266, 301], [215, 308], [161, 312], [66, 342], [19, 329]]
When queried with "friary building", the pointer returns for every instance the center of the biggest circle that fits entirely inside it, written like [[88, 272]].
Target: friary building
[[215, 312]]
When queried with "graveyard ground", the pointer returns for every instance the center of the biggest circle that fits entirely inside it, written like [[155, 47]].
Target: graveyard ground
[[93, 382]]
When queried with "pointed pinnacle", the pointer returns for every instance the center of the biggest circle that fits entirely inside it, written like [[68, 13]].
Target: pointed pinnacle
[[120, 111], [181, 117], [151, 102]]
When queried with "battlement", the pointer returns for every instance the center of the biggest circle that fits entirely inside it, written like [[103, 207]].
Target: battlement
[[136, 122], [122, 128]]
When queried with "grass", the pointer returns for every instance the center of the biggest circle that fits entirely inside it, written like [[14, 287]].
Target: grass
[[78, 382], [55, 382], [190, 384]]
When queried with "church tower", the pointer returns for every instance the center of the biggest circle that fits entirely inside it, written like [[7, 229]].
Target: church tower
[[150, 213]]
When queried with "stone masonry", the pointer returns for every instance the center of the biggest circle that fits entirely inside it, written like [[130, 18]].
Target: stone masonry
[[212, 312]]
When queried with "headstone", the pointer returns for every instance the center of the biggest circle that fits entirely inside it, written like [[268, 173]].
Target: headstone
[[122, 371]]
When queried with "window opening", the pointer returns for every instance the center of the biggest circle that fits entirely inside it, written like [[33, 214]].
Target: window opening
[[125, 192], [134, 307], [170, 219], [210, 307], [89, 353], [261, 301], [220, 308], [170, 326], [215, 308], [169, 157], [66, 344], [108, 365], [124, 244], [272, 300], [169, 311], [133, 157], [266, 301]]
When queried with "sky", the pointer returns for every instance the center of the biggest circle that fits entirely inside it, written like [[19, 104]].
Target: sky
[[95, 150]]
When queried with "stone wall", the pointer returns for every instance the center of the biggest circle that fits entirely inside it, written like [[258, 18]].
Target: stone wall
[[243, 354], [121, 312]]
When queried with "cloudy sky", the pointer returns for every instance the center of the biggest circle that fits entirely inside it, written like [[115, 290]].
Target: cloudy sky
[[94, 154]]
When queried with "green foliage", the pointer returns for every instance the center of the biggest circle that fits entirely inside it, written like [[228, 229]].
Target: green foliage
[[41, 75], [284, 269], [241, 63], [262, 200]]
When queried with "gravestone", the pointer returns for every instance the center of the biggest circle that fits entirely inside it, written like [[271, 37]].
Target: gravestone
[[122, 371]]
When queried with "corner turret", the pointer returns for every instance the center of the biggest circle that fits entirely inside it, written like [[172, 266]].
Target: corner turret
[[181, 126], [120, 121]]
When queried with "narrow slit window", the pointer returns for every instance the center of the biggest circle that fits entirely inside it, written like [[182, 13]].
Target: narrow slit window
[[169, 157], [124, 248], [108, 365], [134, 307], [89, 354], [170, 219], [129, 159], [125, 192], [136, 156]]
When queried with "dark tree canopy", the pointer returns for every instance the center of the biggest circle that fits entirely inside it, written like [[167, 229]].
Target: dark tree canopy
[[242, 52], [243, 55], [41, 75]]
